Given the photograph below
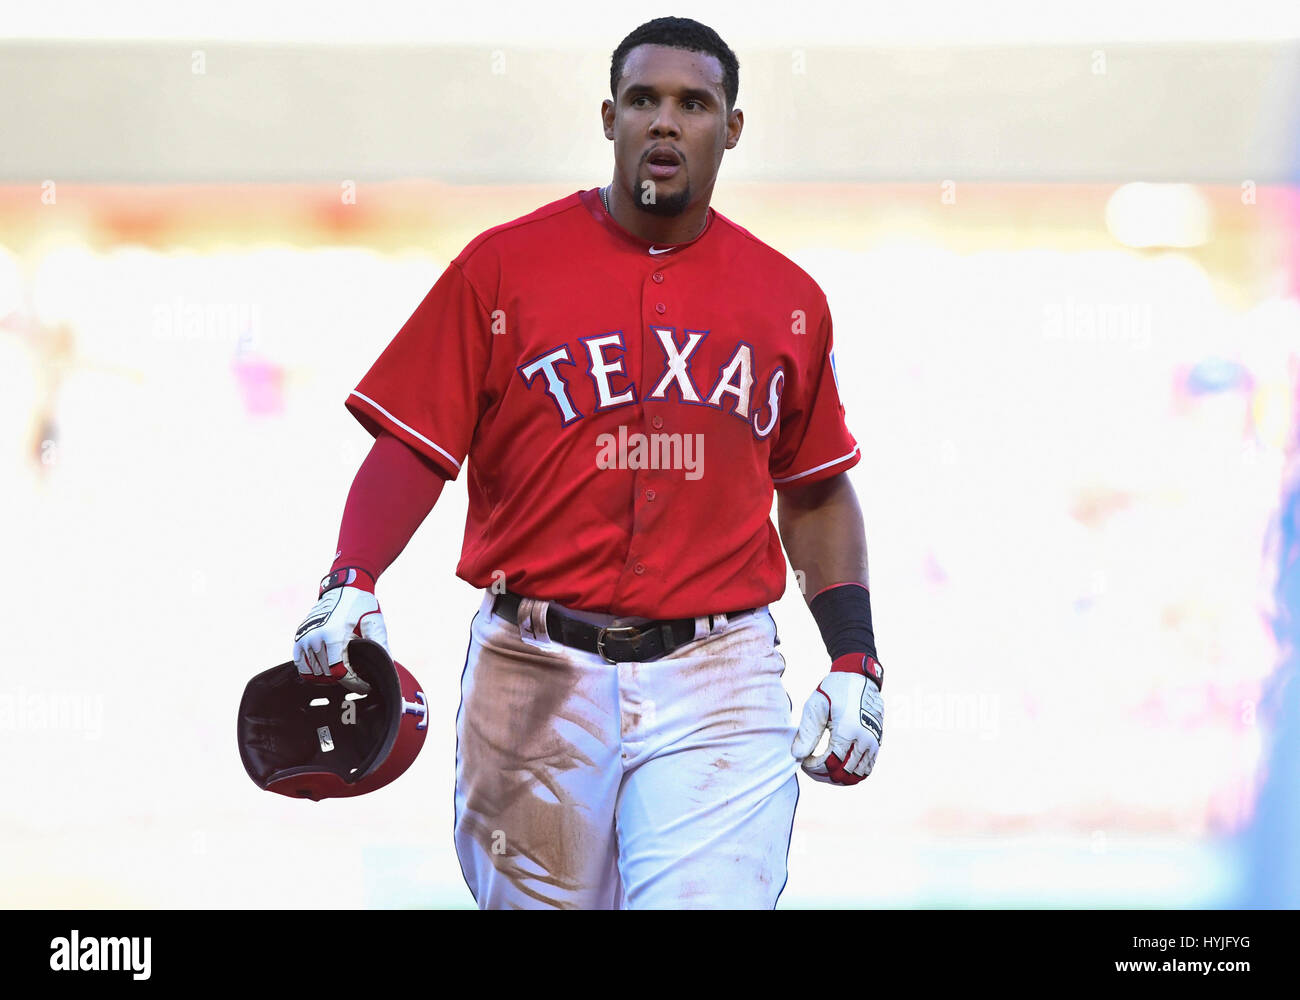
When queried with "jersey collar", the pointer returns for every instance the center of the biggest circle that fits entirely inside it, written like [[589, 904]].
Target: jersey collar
[[591, 200]]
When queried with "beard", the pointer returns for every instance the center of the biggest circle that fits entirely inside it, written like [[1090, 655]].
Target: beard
[[669, 205]]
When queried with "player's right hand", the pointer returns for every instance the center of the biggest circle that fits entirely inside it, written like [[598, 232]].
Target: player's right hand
[[347, 609]]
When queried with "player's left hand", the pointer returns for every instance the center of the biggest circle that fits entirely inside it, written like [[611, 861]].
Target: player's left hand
[[847, 701]]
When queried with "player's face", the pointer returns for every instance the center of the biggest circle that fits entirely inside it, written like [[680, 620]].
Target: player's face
[[670, 126]]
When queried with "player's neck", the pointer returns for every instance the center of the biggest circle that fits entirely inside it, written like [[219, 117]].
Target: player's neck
[[658, 228]]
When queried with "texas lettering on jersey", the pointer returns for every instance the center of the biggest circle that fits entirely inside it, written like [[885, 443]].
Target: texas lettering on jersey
[[558, 340], [732, 383]]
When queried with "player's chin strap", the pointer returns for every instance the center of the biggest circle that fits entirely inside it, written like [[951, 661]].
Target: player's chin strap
[[843, 615]]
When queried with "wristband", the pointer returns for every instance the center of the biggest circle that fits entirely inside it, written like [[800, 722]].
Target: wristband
[[348, 576], [843, 615]]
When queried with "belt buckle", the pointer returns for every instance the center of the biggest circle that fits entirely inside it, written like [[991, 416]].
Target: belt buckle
[[613, 627]]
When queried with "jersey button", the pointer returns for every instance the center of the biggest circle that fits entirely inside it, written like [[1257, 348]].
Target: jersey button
[[650, 495], [657, 277], [660, 308], [638, 569], [657, 421]]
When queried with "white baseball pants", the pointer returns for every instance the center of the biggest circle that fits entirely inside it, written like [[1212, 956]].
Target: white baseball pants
[[582, 784]]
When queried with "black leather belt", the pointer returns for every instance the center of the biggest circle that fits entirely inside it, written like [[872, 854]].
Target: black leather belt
[[618, 642]]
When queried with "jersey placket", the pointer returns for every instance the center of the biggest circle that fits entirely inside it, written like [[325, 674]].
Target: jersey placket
[[650, 483]]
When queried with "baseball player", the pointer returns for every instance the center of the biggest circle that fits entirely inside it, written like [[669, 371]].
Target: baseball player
[[625, 377]]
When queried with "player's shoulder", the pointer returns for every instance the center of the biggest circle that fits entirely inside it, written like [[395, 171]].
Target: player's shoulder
[[541, 222], [766, 263]]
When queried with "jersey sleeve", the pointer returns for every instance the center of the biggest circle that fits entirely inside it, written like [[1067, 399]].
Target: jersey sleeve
[[426, 387], [814, 442]]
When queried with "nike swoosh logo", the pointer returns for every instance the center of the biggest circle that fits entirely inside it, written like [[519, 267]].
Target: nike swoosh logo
[[664, 250]]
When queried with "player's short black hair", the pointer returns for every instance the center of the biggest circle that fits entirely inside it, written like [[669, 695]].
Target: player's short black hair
[[679, 33]]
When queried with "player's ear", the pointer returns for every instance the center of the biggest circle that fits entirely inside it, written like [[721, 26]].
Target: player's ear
[[735, 122], [607, 117]]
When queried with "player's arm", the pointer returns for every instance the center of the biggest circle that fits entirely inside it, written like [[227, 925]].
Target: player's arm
[[822, 530], [393, 492]]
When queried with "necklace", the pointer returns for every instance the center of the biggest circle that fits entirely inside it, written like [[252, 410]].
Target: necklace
[[604, 200]]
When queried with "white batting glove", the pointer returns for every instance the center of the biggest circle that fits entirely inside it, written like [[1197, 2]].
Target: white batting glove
[[848, 702], [347, 609]]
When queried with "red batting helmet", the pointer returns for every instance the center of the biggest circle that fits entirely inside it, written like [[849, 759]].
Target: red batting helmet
[[319, 741]]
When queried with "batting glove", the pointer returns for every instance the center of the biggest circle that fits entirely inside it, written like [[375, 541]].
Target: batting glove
[[848, 702], [347, 609]]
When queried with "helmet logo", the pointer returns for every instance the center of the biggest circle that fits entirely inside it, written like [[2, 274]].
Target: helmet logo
[[420, 711]]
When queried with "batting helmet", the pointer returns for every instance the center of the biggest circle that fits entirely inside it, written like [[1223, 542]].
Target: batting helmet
[[319, 741]]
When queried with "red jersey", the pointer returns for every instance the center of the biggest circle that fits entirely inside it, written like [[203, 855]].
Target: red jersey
[[626, 409]]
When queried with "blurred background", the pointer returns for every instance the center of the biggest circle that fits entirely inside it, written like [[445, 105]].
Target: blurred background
[[1062, 250]]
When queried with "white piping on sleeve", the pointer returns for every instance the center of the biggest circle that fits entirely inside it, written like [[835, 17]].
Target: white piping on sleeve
[[824, 465], [409, 429]]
